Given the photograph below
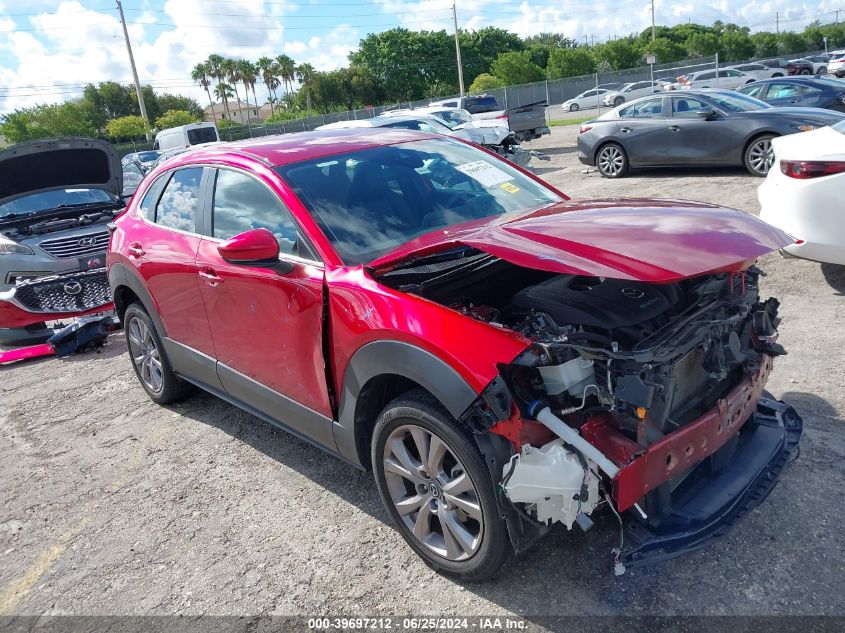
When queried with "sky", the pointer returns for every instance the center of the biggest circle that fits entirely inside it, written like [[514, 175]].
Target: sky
[[50, 49]]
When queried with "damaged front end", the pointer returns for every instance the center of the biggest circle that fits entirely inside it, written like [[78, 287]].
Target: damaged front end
[[646, 398]]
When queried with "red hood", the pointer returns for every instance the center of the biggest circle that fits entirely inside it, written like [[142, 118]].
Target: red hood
[[641, 239]]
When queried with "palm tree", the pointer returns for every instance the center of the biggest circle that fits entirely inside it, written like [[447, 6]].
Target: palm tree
[[305, 74], [200, 75], [233, 76], [249, 75], [214, 68], [267, 68], [223, 91], [286, 69]]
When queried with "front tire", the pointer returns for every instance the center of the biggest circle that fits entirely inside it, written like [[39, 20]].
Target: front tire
[[822, 70], [574, 107], [149, 360], [612, 161], [437, 489], [759, 156], [618, 101]]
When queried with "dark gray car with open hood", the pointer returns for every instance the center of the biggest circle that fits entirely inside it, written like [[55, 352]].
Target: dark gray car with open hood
[[692, 127], [56, 198]]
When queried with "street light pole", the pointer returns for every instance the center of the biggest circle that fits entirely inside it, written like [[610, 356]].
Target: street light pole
[[458, 50], [134, 71], [653, 31]]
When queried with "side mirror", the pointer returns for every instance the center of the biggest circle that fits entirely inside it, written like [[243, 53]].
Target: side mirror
[[257, 247], [707, 114]]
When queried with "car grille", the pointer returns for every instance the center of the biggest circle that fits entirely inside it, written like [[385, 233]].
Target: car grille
[[78, 245], [75, 292]]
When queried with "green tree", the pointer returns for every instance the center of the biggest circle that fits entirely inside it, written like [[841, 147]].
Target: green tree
[[516, 68], [200, 75], [305, 74], [485, 82], [286, 69], [570, 62], [765, 44], [167, 102], [175, 118], [620, 54], [232, 72], [126, 127], [665, 50], [214, 67], [704, 44], [790, 43], [43, 121], [268, 72]]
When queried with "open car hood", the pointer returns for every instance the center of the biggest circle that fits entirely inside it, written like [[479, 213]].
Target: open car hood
[[640, 239], [59, 163]]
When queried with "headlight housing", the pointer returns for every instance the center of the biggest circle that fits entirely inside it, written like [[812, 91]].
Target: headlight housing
[[11, 248], [806, 127]]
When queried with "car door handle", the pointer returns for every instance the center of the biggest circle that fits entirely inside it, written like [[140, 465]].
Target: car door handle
[[625, 130], [135, 250], [211, 277], [674, 128]]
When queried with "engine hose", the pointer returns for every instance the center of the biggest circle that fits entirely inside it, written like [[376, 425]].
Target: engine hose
[[569, 435]]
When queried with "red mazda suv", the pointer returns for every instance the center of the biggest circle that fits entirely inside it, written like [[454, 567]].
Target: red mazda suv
[[502, 357]]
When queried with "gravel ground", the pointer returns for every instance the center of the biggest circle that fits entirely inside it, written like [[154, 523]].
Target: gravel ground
[[112, 505]]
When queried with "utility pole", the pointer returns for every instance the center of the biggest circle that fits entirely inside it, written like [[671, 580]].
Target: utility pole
[[134, 71], [777, 22], [458, 50], [836, 12], [653, 31]]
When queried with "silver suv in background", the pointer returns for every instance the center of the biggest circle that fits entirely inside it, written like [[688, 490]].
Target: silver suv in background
[[57, 197]]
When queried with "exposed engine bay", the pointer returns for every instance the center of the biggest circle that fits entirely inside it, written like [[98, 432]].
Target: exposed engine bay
[[17, 228], [615, 366]]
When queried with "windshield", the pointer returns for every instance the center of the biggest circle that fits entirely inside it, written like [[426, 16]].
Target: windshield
[[736, 102], [371, 201], [478, 105], [49, 200], [146, 157], [453, 118]]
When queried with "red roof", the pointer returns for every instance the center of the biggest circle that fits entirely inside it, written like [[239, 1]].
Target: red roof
[[283, 149]]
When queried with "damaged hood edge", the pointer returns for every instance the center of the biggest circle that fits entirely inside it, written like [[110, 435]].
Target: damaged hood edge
[[649, 240]]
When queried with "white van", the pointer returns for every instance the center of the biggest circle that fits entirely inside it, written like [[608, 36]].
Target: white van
[[186, 135]]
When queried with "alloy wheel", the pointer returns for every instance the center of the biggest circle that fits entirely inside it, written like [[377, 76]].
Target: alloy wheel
[[145, 355], [611, 160], [760, 155], [433, 494]]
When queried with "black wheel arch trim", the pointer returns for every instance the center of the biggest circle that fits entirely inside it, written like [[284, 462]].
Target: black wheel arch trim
[[389, 357], [121, 275]]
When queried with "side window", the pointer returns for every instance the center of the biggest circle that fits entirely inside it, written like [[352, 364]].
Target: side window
[[753, 90], [179, 204], [687, 107], [708, 75], [242, 203], [783, 90], [649, 109], [148, 202]]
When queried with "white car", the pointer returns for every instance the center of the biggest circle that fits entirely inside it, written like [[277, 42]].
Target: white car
[[588, 99], [819, 63], [804, 192], [836, 63], [728, 78], [630, 91], [758, 71]]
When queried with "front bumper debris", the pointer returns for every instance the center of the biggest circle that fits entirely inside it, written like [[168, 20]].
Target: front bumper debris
[[714, 502], [55, 297]]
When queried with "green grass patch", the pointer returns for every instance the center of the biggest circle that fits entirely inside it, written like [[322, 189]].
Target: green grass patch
[[559, 122]]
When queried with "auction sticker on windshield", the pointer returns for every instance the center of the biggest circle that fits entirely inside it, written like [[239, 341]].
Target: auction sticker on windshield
[[485, 173]]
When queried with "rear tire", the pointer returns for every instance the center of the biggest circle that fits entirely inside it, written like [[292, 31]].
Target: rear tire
[[758, 156], [612, 161], [437, 489], [149, 361], [804, 71]]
